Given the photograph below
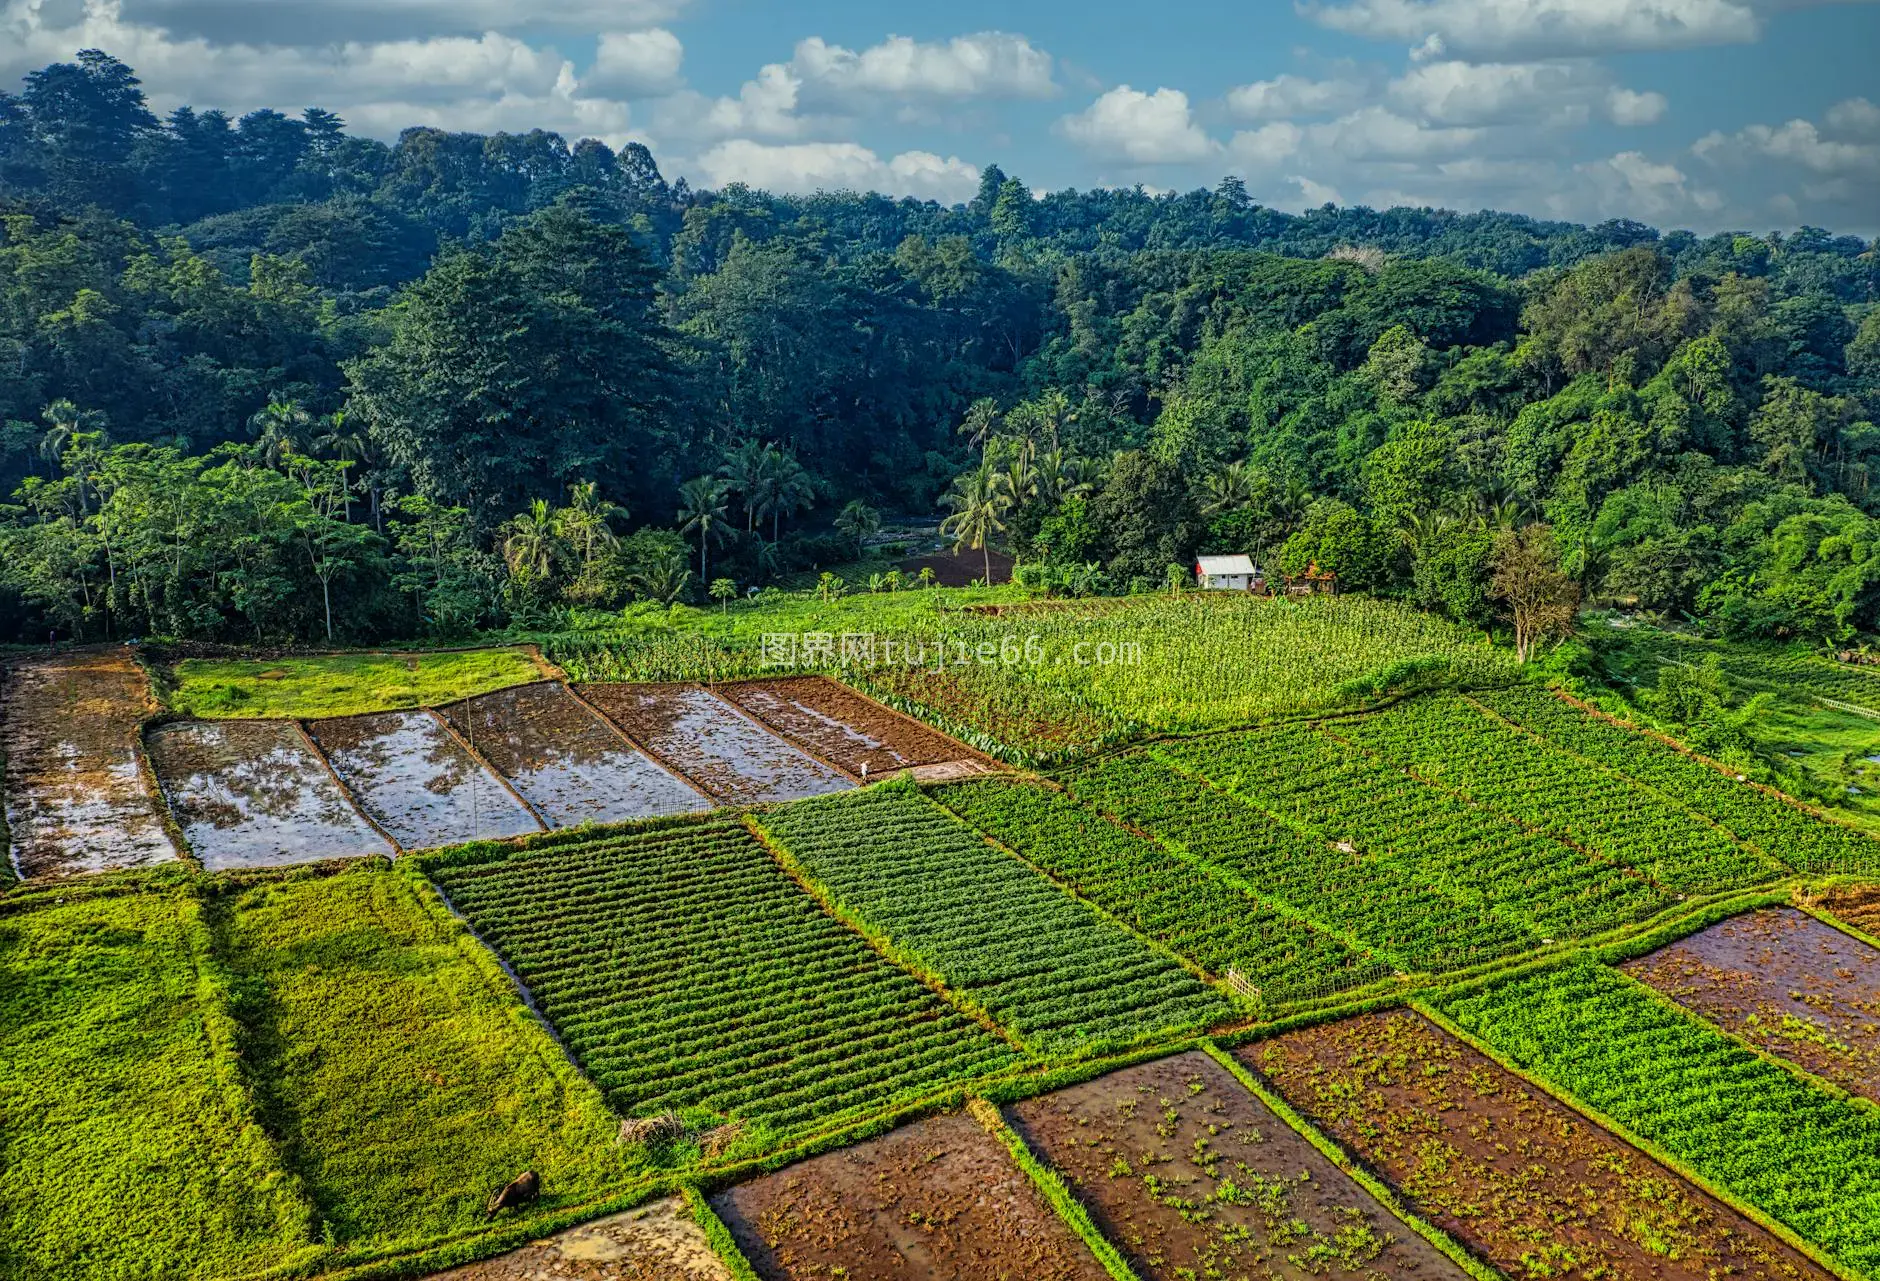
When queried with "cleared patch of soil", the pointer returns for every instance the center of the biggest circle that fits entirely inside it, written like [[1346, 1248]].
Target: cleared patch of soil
[[656, 1242], [253, 794], [1530, 1185], [1192, 1176], [569, 765], [417, 781], [938, 1199], [1783, 981], [75, 799], [717, 748], [1858, 905], [959, 569], [842, 726]]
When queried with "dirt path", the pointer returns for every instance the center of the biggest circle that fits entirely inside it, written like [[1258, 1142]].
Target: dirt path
[[656, 1242]]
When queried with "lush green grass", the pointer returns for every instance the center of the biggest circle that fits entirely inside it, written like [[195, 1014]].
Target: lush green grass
[[128, 1146], [340, 684], [691, 975], [1046, 680], [396, 1063], [996, 932], [1752, 1127]]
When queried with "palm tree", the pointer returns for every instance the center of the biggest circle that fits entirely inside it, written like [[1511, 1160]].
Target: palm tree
[[1063, 476], [530, 541], [790, 492], [280, 429], [350, 446], [1418, 529], [723, 590], [746, 472], [586, 521], [702, 511], [68, 426], [979, 505], [858, 520], [981, 423], [1018, 482], [1227, 489]]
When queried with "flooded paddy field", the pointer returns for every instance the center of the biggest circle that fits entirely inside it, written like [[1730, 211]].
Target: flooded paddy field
[[418, 781], [726, 754], [840, 725], [76, 799], [1786, 983], [253, 794], [1192, 1176], [940, 1198], [1519, 1177], [565, 760]]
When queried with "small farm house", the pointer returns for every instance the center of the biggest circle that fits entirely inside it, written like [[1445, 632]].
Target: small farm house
[[1226, 574]]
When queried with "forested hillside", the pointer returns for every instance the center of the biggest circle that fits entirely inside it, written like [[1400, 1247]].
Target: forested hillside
[[265, 380]]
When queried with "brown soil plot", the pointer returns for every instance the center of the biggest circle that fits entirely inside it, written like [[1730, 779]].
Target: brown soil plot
[[417, 781], [76, 800], [1192, 1176], [938, 1199], [842, 726], [565, 761], [253, 794], [656, 1242], [716, 748], [1528, 1183], [1857, 905], [1785, 982]]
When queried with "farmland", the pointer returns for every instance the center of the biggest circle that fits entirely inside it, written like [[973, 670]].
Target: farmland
[[988, 927], [309, 688], [1747, 1125], [689, 975]]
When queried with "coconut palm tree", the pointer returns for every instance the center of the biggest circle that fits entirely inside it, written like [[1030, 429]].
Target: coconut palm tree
[[280, 429], [702, 511], [1063, 476], [858, 520], [746, 472], [530, 541], [1227, 489], [979, 505], [349, 445], [587, 520], [790, 492], [981, 423]]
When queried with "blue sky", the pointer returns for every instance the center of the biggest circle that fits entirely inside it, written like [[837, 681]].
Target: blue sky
[[1709, 114]]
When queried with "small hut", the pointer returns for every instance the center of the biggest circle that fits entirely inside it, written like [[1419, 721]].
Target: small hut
[[1226, 574]]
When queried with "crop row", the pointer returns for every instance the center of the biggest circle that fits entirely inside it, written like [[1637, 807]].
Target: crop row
[[1179, 902], [997, 932], [1750, 1126], [1755, 817], [685, 970], [1335, 792], [1456, 745], [1371, 902]]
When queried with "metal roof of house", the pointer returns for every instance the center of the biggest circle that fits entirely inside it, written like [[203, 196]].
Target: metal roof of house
[[1212, 565]]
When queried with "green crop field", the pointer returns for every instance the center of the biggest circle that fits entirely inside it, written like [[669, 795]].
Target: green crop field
[[688, 974], [341, 684], [992, 929], [1748, 1125]]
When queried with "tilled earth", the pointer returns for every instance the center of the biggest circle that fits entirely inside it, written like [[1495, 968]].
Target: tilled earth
[[655, 1242]]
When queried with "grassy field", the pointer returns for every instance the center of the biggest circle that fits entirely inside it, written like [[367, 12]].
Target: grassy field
[[129, 1149], [404, 1077], [340, 684]]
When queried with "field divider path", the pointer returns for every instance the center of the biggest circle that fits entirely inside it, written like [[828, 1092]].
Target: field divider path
[[1357, 1171], [620, 732], [1051, 1185], [894, 955], [777, 733], [1198, 971], [717, 1235], [483, 763], [313, 745], [1787, 1235]]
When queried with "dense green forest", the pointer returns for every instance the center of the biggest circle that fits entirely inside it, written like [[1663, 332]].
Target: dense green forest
[[262, 380]]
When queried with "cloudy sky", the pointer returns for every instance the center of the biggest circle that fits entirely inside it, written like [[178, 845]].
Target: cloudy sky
[[1708, 114]]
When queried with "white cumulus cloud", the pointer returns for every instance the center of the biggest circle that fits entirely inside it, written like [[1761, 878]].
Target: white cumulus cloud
[[1493, 29], [804, 167], [1146, 128], [988, 64], [635, 64], [1286, 96]]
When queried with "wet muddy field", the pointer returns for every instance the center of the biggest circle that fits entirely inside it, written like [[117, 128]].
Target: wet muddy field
[[569, 765], [76, 800], [937, 1199], [418, 781], [842, 726], [656, 1242], [1783, 981], [1529, 1184], [253, 794], [717, 748], [1192, 1176]]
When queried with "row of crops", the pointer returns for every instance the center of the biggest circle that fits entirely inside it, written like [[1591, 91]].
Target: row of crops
[[994, 931], [688, 973]]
